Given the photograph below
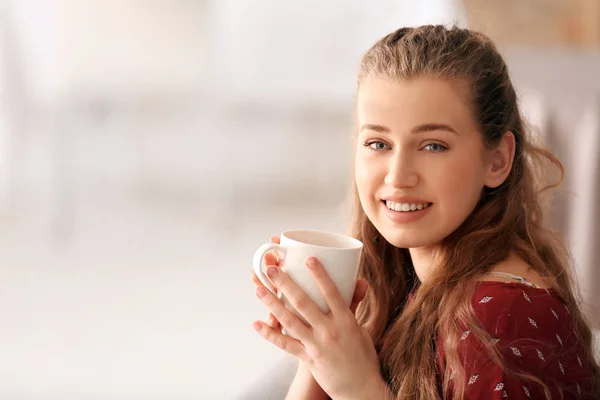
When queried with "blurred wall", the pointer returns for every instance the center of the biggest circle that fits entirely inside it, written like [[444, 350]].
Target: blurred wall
[[116, 92]]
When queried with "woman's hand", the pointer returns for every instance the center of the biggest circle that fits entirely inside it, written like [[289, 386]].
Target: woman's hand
[[339, 353], [270, 259]]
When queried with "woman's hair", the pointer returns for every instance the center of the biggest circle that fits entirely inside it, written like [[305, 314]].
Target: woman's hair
[[507, 218]]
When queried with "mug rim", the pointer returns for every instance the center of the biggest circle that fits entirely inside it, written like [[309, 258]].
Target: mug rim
[[354, 243]]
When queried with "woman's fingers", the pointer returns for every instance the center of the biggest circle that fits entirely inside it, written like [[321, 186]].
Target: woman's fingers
[[286, 343], [272, 322], [274, 239], [255, 279], [271, 258], [287, 318]]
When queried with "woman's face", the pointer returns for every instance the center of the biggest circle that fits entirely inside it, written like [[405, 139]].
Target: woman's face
[[420, 162]]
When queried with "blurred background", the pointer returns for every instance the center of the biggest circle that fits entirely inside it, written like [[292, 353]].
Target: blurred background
[[148, 147]]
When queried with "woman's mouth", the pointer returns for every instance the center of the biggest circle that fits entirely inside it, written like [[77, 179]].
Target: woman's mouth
[[402, 213], [405, 207]]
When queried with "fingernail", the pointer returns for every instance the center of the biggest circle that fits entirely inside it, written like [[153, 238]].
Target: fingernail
[[257, 326], [272, 272], [261, 292], [311, 262]]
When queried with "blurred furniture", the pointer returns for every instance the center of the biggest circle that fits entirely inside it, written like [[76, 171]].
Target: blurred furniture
[[564, 85], [537, 22]]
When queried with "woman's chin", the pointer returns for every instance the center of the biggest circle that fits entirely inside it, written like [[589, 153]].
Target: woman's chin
[[407, 241]]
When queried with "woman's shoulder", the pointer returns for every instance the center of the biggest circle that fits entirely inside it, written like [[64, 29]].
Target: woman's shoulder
[[493, 297], [516, 310], [513, 294]]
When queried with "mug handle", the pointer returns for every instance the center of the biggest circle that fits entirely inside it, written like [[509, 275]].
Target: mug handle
[[258, 262]]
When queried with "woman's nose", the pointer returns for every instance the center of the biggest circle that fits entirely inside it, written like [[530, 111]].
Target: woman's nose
[[401, 173]]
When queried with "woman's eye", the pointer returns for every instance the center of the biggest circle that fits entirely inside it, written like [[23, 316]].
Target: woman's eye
[[376, 145], [435, 147]]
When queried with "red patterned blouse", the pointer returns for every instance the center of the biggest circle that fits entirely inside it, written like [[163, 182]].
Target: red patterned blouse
[[535, 332]]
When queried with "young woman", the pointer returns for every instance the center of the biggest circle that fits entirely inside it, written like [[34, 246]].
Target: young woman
[[469, 295]]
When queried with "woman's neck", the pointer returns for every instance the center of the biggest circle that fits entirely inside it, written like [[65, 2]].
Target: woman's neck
[[423, 260]]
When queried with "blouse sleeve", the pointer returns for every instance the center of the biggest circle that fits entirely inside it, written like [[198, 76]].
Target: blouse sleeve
[[528, 341]]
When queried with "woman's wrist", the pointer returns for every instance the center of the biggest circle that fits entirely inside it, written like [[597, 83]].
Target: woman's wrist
[[302, 367], [303, 374], [377, 389], [304, 386]]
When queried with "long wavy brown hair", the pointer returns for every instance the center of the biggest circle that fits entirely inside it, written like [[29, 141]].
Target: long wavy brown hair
[[508, 218]]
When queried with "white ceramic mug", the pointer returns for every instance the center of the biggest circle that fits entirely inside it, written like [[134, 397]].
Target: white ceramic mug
[[339, 255]]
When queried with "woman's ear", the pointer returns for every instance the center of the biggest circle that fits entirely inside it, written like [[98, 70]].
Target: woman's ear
[[501, 161]]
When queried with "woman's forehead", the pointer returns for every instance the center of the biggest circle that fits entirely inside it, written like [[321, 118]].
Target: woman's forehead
[[403, 104]]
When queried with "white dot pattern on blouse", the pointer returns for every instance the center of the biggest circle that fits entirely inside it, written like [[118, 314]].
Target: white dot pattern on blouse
[[500, 386]]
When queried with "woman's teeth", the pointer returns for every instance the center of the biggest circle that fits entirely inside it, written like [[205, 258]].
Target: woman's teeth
[[405, 207]]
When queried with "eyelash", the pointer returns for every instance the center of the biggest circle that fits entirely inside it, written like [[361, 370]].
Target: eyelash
[[372, 142]]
